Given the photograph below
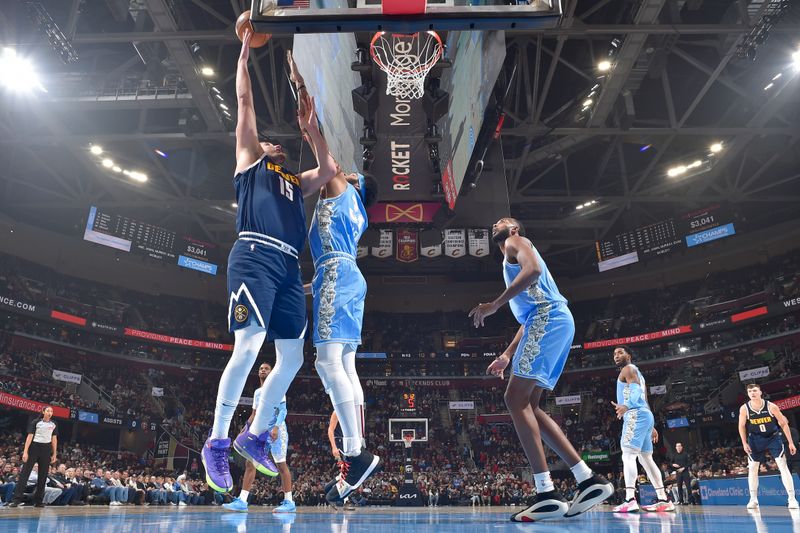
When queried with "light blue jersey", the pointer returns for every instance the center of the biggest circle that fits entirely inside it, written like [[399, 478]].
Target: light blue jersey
[[638, 420], [543, 293], [279, 446], [548, 327], [338, 287]]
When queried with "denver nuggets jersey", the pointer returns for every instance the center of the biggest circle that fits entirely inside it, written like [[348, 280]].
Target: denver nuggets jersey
[[542, 292], [271, 203], [628, 396], [338, 224], [761, 422]]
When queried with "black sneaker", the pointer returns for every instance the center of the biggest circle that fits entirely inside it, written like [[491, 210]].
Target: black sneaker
[[591, 492], [354, 471], [38, 504], [550, 505]]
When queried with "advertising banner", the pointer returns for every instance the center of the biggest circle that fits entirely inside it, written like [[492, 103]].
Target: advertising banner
[[597, 456], [462, 405], [29, 405], [168, 339], [634, 339], [568, 400], [158, 391], [658, 389], [754, 373], [734, 491], [403, 212], [69, 377], [792, 402]]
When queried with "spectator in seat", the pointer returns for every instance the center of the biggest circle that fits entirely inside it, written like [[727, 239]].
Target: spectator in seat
[[8, 482]]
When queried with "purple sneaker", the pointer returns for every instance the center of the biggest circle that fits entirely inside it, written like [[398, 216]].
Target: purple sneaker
[[215, 461], [256, 450]]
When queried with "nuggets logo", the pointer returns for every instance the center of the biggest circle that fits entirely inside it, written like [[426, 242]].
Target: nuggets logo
[[240, 313]]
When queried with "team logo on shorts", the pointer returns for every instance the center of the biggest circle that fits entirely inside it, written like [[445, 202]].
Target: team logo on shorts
[[240, 313]]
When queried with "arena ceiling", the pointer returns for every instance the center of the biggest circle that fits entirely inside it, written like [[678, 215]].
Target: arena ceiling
[[678, 85]]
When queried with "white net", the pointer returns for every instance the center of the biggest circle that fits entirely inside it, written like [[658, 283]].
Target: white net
[[406, 59]]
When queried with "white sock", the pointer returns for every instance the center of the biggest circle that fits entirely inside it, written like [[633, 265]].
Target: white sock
[[288, 360], [247, 343], [581, 471], [752, 478], [630, 472], [244, 495], [543, 481], [786, 476], [330, 368], [287, 496], [653, 474], [349, 361]]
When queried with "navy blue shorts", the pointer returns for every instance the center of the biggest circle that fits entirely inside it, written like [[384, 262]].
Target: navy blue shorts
[[265, 288], [760, 445]]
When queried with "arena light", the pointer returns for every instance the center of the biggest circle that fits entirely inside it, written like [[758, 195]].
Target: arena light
[[108, 163], [207, 71], [683, 349], [776, 76], [235, 205], [115, 168], [645, 148], [604, 66], [17, 73], [796, 60], [219, 96], [695, 164], [769, 86], [676, 171], [138, 176], [96, 149], [715, 148], [215, 90], [587, 102], [162, 154], [223, 106]]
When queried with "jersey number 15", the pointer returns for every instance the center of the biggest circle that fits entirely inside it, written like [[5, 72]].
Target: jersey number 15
[[286, 189]]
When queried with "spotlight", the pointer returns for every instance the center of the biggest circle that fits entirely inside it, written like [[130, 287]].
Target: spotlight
[[115, 168], [138, 176], [683, 349], [235, 205], [716, 148], [108, 163], [645, 148], [676, 171], [695, 164], [17, 73], [223, 106], [587, 102], [769, 86], [207, 71], [604, 66], [796, 60], [162, 154], [96, 149]]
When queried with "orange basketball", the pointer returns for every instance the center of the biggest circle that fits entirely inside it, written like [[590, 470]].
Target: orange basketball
[[243, 23]]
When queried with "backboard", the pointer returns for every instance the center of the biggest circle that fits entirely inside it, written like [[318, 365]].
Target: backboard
[[398, 427], [337, 16]]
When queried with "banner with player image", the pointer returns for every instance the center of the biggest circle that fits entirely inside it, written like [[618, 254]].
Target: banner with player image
[[478, 242], [455, 243], [384, 249], [407, 250]]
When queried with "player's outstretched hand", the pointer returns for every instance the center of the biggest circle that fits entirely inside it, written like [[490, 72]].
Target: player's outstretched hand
[[620, 409], [307, 115], [246, 38], [294, 74], [497, 366], [481, 311]]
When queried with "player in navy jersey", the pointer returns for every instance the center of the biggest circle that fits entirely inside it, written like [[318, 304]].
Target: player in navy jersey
[[760, 426], [339, 290], [537, 356], [266, 297]]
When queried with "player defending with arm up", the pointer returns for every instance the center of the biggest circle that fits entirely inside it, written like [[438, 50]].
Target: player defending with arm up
[[537, 356], [266, 297]]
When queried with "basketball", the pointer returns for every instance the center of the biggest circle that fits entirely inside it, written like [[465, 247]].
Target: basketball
[[243, 23]]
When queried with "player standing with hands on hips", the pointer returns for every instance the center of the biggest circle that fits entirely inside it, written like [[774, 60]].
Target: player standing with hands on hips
[[40, 449]]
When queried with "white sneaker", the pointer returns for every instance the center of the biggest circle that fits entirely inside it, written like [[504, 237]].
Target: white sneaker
[[660, 507], [629, 506], [181, 504], [752, 504], [793, 504]]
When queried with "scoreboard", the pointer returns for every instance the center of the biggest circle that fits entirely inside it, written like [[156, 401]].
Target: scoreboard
[[131, 235], [688, 230]]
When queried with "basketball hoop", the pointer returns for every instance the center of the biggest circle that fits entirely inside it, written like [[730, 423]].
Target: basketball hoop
[[408, 439], [406, 59]]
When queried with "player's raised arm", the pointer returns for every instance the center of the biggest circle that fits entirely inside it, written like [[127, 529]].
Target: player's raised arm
[[247, 148]]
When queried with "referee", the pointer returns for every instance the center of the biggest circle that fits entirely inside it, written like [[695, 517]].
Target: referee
[[40, 448]]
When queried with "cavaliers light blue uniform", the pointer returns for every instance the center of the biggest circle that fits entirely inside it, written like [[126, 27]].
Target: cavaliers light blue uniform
[[278, 447], [264, 281], [549, 326], [338, 287], [638, 420]]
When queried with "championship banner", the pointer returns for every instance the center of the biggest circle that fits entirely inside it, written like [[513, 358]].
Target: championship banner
[[158, 391], [463, 405], [754, 373], [792, 402], [635, 339], [568, 400], [478, 242], [407, 251], [403, 212], [658, 389], [431, 251], [29, 405], [69, 377], [362, 252], [384, 249], [455, 244]]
